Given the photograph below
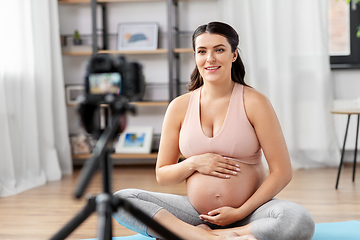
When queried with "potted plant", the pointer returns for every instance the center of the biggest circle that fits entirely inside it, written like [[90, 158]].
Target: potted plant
[[76, 38]]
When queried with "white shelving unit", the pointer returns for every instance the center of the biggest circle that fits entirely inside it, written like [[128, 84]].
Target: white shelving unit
[[169, 51]]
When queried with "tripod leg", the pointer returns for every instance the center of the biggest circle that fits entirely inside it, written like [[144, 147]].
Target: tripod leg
[[103, 201], [104, 209], [342, 153], [76, 221], [356, 143], [144, 218]]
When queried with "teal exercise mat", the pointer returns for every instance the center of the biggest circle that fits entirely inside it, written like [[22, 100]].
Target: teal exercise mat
[[323, 231], [132, 237], [337, 231]]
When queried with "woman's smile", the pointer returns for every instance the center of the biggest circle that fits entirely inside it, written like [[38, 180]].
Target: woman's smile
[[212, 68]]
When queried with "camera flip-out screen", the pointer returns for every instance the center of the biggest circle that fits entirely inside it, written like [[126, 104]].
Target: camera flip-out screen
[[105, 83]]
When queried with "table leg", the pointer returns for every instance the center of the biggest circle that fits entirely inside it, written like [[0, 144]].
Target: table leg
[[356, 143], [342, 153]]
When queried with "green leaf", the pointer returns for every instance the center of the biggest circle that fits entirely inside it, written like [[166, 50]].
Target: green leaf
[[348, 1], [76, 35]]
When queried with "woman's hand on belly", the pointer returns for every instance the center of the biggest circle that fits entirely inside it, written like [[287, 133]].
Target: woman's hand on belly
[[208, 193], [222, 216], [215, 165]]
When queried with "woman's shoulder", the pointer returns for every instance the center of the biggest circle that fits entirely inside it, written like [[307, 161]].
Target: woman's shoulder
[[181, 101], [254, 97], [179, 105], [257, 105]]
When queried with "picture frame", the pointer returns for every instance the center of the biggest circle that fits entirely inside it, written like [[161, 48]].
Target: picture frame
[[73, 92], [135, 139], [80, 144], [137, 36]]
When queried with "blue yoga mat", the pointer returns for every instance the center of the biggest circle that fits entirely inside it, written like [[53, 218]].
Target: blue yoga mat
[[132, 237], [323, 231], [337, 231]]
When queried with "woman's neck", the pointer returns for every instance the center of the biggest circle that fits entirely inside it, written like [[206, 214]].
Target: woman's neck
[[214, 91]]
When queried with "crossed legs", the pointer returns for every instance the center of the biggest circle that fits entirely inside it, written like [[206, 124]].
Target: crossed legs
[[276, 219], [187, 231]]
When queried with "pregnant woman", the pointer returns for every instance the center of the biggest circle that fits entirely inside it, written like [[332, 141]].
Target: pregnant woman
[[223, 127]]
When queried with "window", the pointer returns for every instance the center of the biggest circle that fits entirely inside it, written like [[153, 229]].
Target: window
[[344, 44]]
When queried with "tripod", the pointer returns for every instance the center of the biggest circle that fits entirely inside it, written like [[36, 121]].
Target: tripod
[[106, 203]]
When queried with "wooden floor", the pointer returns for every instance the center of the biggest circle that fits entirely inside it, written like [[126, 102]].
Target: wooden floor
[[39, 213]]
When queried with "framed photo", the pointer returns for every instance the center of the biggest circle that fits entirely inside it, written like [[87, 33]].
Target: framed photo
[[73, 92], [137, 36], [135, 140], [80, 144]]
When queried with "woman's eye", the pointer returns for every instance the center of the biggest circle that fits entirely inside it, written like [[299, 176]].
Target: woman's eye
[[201, 51], [220, 50]]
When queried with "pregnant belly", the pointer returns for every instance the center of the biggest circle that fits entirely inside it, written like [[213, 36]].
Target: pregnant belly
[[207, 193]]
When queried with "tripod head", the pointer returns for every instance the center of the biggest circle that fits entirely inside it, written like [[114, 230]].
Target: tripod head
[[91, 115]]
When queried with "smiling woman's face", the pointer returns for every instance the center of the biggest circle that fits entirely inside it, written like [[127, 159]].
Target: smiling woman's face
[[213, 57]]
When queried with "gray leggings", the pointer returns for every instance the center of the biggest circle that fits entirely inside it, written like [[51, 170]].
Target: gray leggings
[[274, 220]]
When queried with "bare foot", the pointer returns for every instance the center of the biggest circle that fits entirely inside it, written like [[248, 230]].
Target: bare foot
[[204, 226], [229, 235], [246, 237], [235, 236]]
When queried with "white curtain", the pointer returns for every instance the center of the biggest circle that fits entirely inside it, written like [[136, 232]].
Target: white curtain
[[284, 45], [34, 145]]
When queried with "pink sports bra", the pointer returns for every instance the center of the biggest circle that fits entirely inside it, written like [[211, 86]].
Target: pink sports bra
[[236, 139]]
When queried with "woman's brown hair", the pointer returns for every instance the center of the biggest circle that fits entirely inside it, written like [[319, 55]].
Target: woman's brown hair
[[223, 29]]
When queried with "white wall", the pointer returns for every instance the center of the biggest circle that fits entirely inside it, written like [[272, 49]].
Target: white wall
[[346, 83]]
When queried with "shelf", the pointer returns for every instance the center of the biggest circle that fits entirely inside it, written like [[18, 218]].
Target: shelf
[[183, 50], [120, 159], [114, 1], [76, 53], [124, 156], [134, 156], [139, 104], [157, 51], [73, 1], [103, 1], [150, 104], [120, 156], [110, 1], [161, 50]]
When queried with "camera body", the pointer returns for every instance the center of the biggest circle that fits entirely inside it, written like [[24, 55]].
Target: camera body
[[110, 83], [116, 77]]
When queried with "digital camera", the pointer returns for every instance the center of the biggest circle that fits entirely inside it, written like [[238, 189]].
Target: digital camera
[[110, 84], [113, 76]]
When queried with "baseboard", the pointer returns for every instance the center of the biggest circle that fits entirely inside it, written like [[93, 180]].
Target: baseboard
[[348, 164]]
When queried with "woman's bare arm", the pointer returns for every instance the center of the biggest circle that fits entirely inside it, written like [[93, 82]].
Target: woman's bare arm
[[268, 130], [168, 170]]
